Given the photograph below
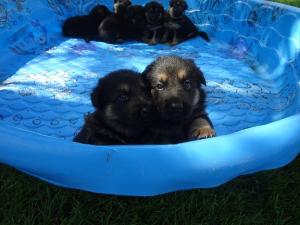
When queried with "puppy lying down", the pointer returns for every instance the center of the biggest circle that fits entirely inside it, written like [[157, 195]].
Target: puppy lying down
[[175, 86], [85, 27], [122, 111]]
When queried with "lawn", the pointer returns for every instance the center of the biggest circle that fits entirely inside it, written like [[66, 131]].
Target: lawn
[[290, 2], [266, 198]]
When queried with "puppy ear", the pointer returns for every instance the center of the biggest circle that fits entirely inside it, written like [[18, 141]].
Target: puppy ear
[[171, 3], [161, 8], [197, 70], [145, 75], [185, 6], [96, 94], [201, 77]]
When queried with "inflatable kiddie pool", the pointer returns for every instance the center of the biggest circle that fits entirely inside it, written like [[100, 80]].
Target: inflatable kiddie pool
[[252, 68]]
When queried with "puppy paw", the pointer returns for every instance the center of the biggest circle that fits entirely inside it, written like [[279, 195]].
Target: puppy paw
[[151, 43], [203, 132]]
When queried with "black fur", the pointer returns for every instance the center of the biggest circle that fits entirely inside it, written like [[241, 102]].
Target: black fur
[[154, 29], [85, 27], [136, 22], [113, 28], [175, 87], [178, 27], [122, 113]]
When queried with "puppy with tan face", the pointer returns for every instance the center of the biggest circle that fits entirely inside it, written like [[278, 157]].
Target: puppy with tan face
[[178, 27], [122, 113], [136, 22], [113, 28], [154, 29], [175, 87]]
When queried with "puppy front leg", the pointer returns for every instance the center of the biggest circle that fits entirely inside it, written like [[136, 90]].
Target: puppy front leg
[[154, 38], [166, 36], [175, 39], [145, 37], [201, 127]]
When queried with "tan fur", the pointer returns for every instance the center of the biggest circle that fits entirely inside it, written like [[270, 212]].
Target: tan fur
[[124, 88], [196, 98], [181, 74], [162, 77]]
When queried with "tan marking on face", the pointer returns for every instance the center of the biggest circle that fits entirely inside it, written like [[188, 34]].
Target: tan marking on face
[[123, 88], [182, 74], [162, 77]]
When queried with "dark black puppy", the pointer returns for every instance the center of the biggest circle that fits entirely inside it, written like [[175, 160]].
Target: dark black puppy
[[122, 111], [113, 28], [178, 27], [154, 29], [85, 27], [136, 22], [175, 87]]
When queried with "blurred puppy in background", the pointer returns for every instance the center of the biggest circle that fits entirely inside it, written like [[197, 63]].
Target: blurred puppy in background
[[85, 27], [136, 22], [154, 29], [178, 27], [114, 27]]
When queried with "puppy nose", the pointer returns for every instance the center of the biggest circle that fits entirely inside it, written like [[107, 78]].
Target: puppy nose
[[176, 107], [145, 111]]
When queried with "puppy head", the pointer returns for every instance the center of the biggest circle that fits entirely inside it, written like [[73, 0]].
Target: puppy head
[[177, 8], [121, 97], [175, 87], [99, 12], [120, 6], [154, 12], [136, 15]]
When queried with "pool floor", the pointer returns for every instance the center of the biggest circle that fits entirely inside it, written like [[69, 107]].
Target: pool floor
[[50, 94]]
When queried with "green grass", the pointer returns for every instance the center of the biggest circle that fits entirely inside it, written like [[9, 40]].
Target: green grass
[[289, 2], [266, 198]]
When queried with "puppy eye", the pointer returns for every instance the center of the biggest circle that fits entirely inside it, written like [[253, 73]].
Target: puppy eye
[[160, 87], [187, 84], [122, 98]]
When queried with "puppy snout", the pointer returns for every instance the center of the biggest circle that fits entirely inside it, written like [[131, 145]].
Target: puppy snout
[[175, 107], [145, 111]]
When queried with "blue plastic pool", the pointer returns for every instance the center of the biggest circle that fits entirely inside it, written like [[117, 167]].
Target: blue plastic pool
[[252, 68]]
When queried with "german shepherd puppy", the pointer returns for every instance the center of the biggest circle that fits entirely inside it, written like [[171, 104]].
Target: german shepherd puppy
[[122, 111], [137, 22], [154, 29], [175, 87], [114, 27], [178, 27], [85, 27]]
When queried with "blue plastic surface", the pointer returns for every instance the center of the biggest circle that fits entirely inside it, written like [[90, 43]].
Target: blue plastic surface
[[252, 67]]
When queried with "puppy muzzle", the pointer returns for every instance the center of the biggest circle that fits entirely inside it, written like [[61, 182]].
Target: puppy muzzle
[[175, 110]]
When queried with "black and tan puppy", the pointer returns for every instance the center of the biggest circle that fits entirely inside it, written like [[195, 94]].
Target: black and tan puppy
[[136, 22], [178, 27], [154, 29], [85, 27], [175, 87], [113, 28], [122, 111]]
